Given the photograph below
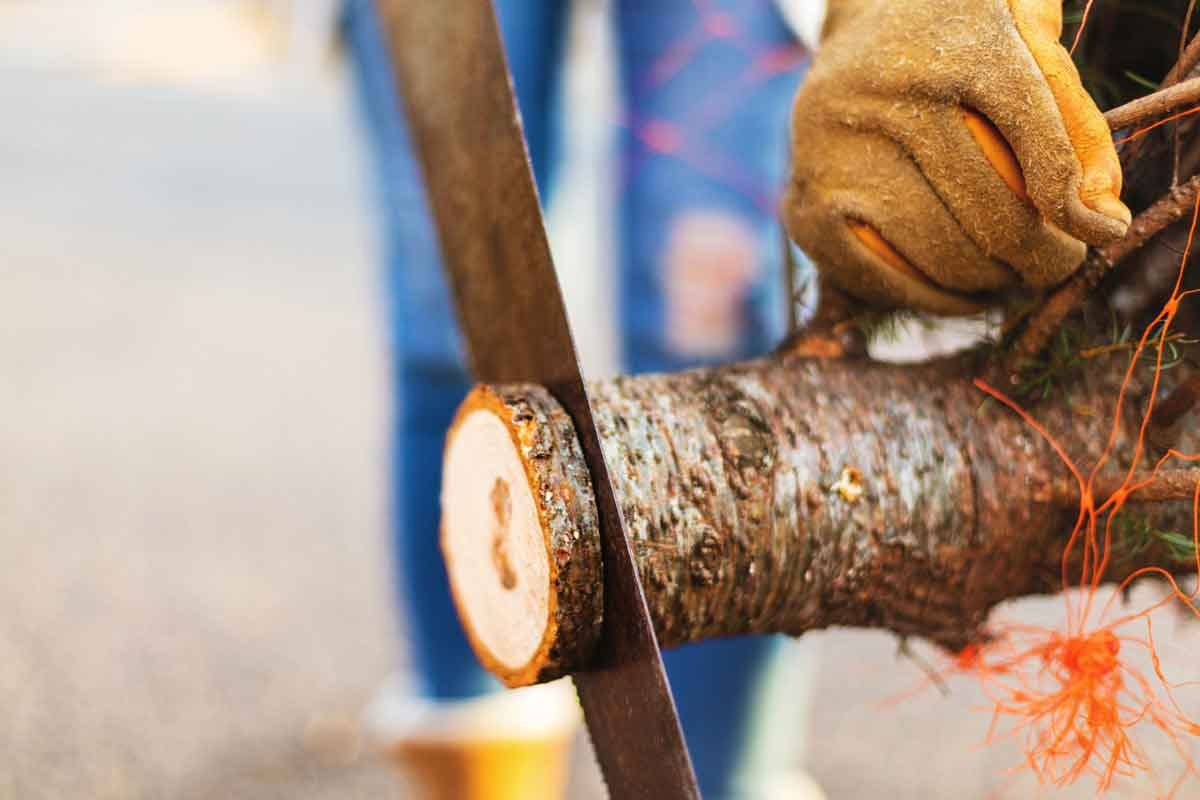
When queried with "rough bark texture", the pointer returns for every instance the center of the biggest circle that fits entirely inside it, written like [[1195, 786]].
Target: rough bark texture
[[789, 494]]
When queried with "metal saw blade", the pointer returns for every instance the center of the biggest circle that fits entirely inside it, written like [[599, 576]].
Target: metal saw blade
[[455, 85]]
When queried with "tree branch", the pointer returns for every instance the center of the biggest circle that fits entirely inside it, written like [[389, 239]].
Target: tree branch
[[1042, 324], [1175, 129], [1154, 106], [1187, 61], [788, 494], [831, 332], [1180, 401], [1148, 487], [1168, 484]]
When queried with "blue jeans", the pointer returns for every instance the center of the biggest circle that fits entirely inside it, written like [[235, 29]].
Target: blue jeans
[[684, 156]]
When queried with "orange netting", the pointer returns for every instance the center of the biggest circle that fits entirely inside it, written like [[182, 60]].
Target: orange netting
[[1076, 693]]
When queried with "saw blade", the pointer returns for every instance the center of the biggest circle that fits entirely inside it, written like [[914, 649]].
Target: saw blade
[[457, 91]]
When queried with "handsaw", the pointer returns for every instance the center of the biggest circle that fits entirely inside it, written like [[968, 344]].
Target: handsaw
[[457, 91]]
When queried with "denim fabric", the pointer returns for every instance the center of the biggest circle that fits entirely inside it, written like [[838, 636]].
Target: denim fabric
[[729, 110], [746, 142]]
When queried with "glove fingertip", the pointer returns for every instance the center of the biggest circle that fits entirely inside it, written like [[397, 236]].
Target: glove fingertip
[[1117, 218]]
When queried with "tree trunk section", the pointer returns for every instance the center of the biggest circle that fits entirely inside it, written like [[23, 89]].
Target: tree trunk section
[[788, 494]]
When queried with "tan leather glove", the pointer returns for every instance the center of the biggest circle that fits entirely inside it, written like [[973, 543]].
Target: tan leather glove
[[943, 149]]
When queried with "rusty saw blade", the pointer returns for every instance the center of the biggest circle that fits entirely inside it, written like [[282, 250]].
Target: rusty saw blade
[[462, 114]]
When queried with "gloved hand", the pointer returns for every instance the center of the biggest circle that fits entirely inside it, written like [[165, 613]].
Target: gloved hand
[[946, 148]]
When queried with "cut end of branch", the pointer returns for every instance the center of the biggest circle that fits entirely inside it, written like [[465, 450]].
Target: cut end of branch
[[495, 546], [519, 535]]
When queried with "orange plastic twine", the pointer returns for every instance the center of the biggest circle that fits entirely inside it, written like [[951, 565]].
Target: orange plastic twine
[[1087, 11], [1075, 694]]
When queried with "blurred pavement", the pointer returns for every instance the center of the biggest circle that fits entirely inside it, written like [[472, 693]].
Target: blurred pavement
[[192, 563]]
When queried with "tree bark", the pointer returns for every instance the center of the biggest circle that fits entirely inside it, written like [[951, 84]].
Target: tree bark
[[788, 494]]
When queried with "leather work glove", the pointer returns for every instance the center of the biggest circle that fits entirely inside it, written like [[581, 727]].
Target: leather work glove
[[945, 149]]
